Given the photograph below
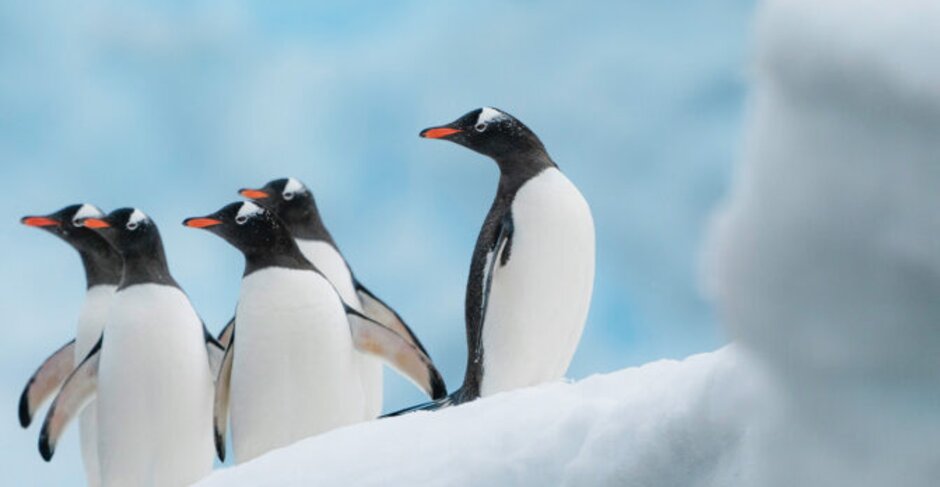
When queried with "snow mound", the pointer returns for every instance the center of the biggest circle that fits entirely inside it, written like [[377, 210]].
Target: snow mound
[[826, 262], [665, 423]]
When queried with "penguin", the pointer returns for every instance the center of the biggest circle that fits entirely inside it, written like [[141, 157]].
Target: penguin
[[532, 270], [102, 266], [150, 371], [294, 204], [291, 368]]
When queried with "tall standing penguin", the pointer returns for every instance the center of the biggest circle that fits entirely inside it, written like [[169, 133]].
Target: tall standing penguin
[[102, 273], [151, 371], [294, 204], [291, 369], [532, 271]]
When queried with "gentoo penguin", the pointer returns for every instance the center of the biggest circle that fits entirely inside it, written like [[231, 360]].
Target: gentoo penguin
[[291, 368], [102, 273], [532, 271], [151, 370], [294, 204]]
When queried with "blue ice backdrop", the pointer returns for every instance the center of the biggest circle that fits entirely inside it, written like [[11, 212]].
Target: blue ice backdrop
[[173, 106]]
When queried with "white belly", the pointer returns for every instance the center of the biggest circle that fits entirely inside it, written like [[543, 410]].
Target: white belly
[[334, 267], [91, 322], [155, 391], [294, 372], [539, 301]]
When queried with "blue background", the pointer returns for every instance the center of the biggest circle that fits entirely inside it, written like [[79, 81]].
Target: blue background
[[172, 106]]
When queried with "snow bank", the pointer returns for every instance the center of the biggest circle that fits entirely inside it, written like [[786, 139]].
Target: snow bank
[[825, 267], [666, 423], [826, 262]]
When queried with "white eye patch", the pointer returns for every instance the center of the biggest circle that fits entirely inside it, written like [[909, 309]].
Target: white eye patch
[[86, 211], [248, 210], [137, 217], [489, 115], [292, 188]]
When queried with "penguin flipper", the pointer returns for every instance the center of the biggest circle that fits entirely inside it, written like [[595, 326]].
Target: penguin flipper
[[498, 249], [225, 336], [223, 385], [45, 381], [215, 350], [377, 310], [78, 391], [497, 257], [374, 338]]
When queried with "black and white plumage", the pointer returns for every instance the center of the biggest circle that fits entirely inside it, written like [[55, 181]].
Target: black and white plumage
[[532, 270], [292, 368], [150, 374], [102, 266], [294, 204]]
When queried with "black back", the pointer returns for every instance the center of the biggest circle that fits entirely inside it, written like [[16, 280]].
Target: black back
[[101, 262], [263, 238], [520, 156]]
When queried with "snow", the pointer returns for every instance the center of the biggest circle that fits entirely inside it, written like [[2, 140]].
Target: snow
[[607, 429], [824, 266], [826, 260]]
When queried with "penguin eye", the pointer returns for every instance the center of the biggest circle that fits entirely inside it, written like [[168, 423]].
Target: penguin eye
[[289, 195], [241, 220], [131, 226], [480, 127], [77, 223]]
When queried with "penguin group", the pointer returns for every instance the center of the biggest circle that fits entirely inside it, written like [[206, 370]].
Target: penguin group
[[156, 394]]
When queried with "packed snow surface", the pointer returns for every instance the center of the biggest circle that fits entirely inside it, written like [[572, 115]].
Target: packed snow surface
[[824, 265], [652, 425]]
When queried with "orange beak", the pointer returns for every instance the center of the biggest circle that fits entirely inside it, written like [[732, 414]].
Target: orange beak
[[201, 222], [95, 223], [39, 221], [438, 132], [255, 194]]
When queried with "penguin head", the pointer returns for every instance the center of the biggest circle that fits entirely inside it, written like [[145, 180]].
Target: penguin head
[[68, 224], [287, 198], [490, 132], [129, 230], [246, 225]]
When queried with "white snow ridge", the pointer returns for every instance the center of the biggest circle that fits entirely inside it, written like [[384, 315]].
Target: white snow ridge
[[824, 266], [628, 426]]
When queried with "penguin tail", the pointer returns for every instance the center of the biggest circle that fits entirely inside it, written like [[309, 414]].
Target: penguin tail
[[452, 399], [434, 405]]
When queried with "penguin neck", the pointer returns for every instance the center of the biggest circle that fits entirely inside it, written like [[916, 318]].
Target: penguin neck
[[517, 168], [103, 266], [309, 226], [282, 252], [146, 266]]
